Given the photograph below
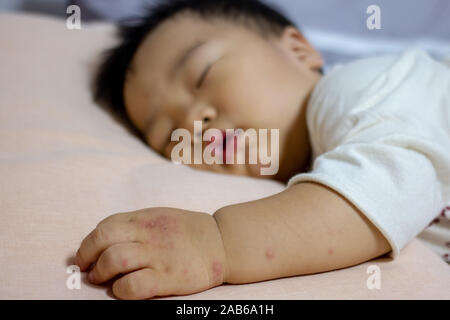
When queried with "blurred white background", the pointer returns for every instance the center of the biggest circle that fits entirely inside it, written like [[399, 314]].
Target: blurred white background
[[337, 28]]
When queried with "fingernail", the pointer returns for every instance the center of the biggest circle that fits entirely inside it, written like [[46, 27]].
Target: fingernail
[[77, 258]]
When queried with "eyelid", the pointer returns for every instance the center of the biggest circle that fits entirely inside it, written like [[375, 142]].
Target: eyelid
[[203, 75]]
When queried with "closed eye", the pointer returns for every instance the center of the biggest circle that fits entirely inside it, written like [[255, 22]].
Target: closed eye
[[203, 76]]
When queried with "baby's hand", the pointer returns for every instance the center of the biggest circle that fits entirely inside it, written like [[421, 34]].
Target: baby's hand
[[157, 252]]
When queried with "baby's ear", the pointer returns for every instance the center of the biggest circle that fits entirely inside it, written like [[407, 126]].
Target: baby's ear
[[295, 45]]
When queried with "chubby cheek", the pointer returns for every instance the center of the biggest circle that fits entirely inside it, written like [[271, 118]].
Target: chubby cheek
[[254, 108], [160, 132], [244, 111], [236, 99]]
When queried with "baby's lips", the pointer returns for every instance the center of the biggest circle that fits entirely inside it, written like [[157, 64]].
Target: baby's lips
[[213, 142], [224, 147]]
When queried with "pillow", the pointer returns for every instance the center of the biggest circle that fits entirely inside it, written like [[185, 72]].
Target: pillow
[[66, 164]]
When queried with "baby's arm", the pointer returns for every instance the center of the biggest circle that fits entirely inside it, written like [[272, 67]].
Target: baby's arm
[[307, 228]]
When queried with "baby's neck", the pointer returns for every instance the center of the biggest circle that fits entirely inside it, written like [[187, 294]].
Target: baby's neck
[[296, 156]]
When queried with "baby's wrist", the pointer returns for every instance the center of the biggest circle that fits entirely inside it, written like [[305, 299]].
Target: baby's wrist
[[221, 223], [221, 249], [209, 241]]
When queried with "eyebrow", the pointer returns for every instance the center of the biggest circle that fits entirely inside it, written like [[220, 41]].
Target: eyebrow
[[185, 56]]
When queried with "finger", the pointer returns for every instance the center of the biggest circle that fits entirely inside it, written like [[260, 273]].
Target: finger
[[102, 237], [118, 217], [123, 257], [144, 284]]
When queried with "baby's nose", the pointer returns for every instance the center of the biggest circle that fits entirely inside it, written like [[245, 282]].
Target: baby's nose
[[206, 114]]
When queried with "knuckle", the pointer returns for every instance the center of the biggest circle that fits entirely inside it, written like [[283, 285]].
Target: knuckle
[[133, 217], [100, 234], [139, 215], [110, 218], [114, 217]]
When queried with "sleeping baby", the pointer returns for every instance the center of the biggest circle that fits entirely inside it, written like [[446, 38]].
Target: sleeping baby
[[364, 150]]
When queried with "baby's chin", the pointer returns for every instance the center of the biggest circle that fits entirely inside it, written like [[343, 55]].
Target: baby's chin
[[243, 167], [245, 170]]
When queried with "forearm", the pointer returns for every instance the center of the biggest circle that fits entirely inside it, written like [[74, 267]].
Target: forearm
[[307, 228]]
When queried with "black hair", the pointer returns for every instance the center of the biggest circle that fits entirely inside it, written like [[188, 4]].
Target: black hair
[[267, 21]]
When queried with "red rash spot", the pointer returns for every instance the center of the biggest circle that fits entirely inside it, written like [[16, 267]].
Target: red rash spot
[[330, 251], [161, 223], [269, 254], [161, 230], [124, 263], [149, 224]]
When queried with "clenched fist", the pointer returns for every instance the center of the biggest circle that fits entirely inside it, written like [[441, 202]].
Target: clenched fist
[[155, 252]]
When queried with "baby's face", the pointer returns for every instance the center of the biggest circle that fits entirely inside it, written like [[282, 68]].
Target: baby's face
[[228, 77]]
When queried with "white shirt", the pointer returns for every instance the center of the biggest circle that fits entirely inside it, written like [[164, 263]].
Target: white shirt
[[380, 136]]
